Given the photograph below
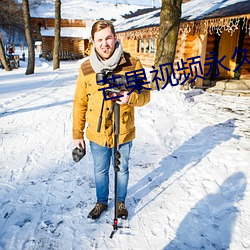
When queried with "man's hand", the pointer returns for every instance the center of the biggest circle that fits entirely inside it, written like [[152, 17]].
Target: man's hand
[[79, 143], [79, 151], [124, 99]]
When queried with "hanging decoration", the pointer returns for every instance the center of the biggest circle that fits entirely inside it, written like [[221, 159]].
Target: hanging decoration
[[148, 32], [218, 25]]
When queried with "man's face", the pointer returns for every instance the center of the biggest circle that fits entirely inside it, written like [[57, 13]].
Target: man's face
[[104, 42]]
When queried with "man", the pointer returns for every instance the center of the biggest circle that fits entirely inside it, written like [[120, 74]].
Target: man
[[107, 54]]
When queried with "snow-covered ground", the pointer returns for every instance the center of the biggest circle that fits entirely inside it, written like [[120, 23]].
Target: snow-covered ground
[[189, 170]]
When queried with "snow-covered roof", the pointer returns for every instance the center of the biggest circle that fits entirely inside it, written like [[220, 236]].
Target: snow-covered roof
[[85, 10], [192, 10], [202, 9], [79, 32], [145, 20]]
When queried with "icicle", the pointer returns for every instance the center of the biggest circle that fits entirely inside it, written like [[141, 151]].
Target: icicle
[[205, 29], [246, 25], [218, 30]]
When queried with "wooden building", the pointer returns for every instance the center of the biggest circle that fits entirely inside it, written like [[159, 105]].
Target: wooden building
[[210, 36], [75, 36], [77, 19]]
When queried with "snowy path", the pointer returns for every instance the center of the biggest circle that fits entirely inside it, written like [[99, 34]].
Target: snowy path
[[189, 171]]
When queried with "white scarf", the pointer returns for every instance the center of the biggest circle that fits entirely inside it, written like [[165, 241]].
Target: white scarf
[[110, 64]]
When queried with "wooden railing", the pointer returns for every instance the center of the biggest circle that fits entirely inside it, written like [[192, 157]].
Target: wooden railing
[[64, 55]]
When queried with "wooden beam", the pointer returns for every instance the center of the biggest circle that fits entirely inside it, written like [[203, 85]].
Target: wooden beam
[[202, 53]]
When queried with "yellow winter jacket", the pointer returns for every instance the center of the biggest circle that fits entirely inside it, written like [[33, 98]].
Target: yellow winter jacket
[[88, 101]]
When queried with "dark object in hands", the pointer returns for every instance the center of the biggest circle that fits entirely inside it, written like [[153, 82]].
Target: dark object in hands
[[118, 82], [78, 153]]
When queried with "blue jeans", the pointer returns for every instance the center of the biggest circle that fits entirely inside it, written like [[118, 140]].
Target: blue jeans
[[102, 158]]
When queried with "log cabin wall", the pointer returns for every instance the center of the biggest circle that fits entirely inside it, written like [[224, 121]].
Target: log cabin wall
[[198, 39], [75, 45], [187, 47], [50, 22], [223, 36], [47, 45], [79, 46], [141, 44], [212, 46], [136, 49], [179, 51], [219, 44], [245, 68]]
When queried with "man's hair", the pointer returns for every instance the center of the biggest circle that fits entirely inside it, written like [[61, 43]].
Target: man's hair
[[101, 24]]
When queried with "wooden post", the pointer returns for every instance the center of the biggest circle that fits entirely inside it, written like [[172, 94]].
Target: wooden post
[[149, 45], [144, 45], [202, 47], [140, 40]]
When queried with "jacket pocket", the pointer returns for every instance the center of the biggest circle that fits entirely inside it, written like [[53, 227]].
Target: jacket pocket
[[127, 120]]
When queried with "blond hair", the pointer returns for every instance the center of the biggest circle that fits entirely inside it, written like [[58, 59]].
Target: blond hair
[[101, 24]]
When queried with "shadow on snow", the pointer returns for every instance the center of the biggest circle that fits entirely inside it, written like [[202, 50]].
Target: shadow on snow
[[190, 153], [22, 110], [209, 225]]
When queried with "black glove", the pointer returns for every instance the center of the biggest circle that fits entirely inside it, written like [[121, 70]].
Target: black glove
[[78, 153]]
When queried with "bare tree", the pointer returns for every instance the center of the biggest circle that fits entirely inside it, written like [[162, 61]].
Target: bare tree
[[28, 33], [3, 57], [56, 59], [168, 34], [36, 3], [11, 23], [11, 16]]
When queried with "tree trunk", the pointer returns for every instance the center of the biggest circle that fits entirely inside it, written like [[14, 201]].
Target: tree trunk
[[29, 38], [56, 59], [167, 40], [3, 57]]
